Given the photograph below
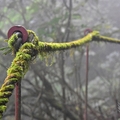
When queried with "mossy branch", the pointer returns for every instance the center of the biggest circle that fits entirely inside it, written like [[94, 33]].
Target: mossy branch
[[44, 46], [93, 36], [28, 51], [101, 38], [16, 72]]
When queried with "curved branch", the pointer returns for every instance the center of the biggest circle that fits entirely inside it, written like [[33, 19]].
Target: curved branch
[[45, 46], [93, 36]]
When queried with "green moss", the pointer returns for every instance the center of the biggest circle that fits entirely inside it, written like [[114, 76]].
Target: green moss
[[18, 68], [29, 50], [8, 87], [11, 42], [2, 108], [46, 47], [2, 94], [106, 39], [2, 101]]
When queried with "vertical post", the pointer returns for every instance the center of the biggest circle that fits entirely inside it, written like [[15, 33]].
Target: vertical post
[[87, 70], [22, 34], [86, 85], [18, 101]]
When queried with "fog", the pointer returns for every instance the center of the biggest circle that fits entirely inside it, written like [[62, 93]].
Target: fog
[[54, 86]]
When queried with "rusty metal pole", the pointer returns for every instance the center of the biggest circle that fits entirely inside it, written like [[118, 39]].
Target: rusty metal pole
[[18, 101], [86, 85], [87, 73]]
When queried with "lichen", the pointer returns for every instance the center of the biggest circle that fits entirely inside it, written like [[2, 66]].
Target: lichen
[[12, 41]]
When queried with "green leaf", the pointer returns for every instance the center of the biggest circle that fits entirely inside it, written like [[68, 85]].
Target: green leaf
[[8, 51], [4, 48]]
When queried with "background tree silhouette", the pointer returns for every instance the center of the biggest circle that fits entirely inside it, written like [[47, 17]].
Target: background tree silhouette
[[52, 92]]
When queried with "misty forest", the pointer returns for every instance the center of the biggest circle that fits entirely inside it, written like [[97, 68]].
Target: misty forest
[[80, 83]]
